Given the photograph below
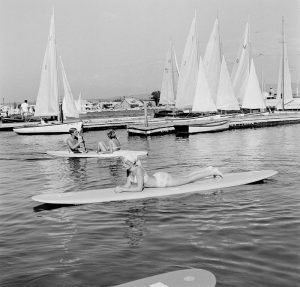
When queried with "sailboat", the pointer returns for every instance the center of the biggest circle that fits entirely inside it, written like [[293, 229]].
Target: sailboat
[[203, 103], [188, 70], [212, 60], [226, 100], [253, 98], [170, 78], [241, 68], [79, 105], [68, 106], [284, 87], [47, 103], [169, 84]]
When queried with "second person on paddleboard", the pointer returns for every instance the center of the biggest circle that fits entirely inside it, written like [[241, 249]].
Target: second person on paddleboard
[[138, 178], [113, 143]]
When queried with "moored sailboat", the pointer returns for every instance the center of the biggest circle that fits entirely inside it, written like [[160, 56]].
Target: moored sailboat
[[170, 79], [241, 68], [188, 70], [47, 103], [253, 98], [212, 60], [203, 103], [226, 100]]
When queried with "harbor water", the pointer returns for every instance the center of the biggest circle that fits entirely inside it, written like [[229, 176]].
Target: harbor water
[[247, 236]]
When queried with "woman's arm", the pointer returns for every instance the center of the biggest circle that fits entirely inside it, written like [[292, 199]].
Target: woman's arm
[[71, 146], [133, 188], [111, 146]]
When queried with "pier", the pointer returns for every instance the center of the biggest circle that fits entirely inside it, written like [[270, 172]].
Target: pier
[[158, 126], [235, 122]]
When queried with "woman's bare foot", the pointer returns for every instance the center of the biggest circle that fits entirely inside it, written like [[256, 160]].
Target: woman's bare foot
[[216, 173]]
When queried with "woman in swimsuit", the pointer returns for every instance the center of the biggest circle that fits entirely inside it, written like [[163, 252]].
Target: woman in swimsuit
[[137, 177], [113, 144]]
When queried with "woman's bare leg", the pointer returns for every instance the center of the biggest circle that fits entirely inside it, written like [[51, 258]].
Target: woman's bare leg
[[210, 170], [101, 147], [194, 176]]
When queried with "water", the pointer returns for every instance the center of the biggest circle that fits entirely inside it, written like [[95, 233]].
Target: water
[[246, 237]]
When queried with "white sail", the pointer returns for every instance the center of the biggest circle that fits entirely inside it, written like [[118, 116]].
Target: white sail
[[226, 99], [68, 106], [47, 99], [78, 103], [203, 101], [170, 78], [240, 71], [287, 84], [253, 98], [212, 60], [188, 71]]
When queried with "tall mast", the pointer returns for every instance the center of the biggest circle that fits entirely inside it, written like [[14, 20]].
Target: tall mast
[[282, 85]]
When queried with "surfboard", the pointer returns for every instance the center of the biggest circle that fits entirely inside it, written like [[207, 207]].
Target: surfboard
[[181, 278], [93, 154], [204, 186]]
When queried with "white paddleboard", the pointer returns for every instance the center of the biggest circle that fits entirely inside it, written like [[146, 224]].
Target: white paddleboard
[[204, 186], [93, 154], [181, 278]]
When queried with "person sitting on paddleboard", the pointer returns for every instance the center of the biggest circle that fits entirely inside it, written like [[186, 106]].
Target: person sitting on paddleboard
[[138, 178], [75, 141], [112, 146]]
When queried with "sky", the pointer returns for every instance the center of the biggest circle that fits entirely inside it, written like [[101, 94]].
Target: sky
[[116, 48]]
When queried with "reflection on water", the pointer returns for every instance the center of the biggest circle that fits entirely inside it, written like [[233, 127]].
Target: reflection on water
[[135, 221], [48, 206], [246, 237]]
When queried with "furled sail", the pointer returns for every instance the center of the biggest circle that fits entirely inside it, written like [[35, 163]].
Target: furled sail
[[203, 101], [212, 60], [188, 71], [226, 99], [253, 98], [241, 68], [68, 106], [47, 99], [170, 78]]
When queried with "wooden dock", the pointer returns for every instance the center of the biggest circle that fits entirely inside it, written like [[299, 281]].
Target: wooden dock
[[235, 122], [268, 120], [158, 126], [152, 129]]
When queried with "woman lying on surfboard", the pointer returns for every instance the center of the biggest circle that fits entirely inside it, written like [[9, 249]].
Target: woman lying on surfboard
[[112, 146], [138, 178]]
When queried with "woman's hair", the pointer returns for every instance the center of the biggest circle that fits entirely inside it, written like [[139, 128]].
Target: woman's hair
[[112, 134], [72, 130]]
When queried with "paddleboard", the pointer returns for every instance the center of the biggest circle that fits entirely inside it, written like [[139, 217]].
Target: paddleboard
[[181, 278], [93, 154], [204, 186]]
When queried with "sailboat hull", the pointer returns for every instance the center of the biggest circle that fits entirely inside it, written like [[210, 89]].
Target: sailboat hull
[[48, 129], [202, 127]]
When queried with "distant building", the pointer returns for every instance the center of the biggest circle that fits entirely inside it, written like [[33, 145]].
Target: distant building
[[131, 103]]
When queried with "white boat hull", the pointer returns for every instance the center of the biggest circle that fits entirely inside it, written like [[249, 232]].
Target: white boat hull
[[61, 128], [202, 127]]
